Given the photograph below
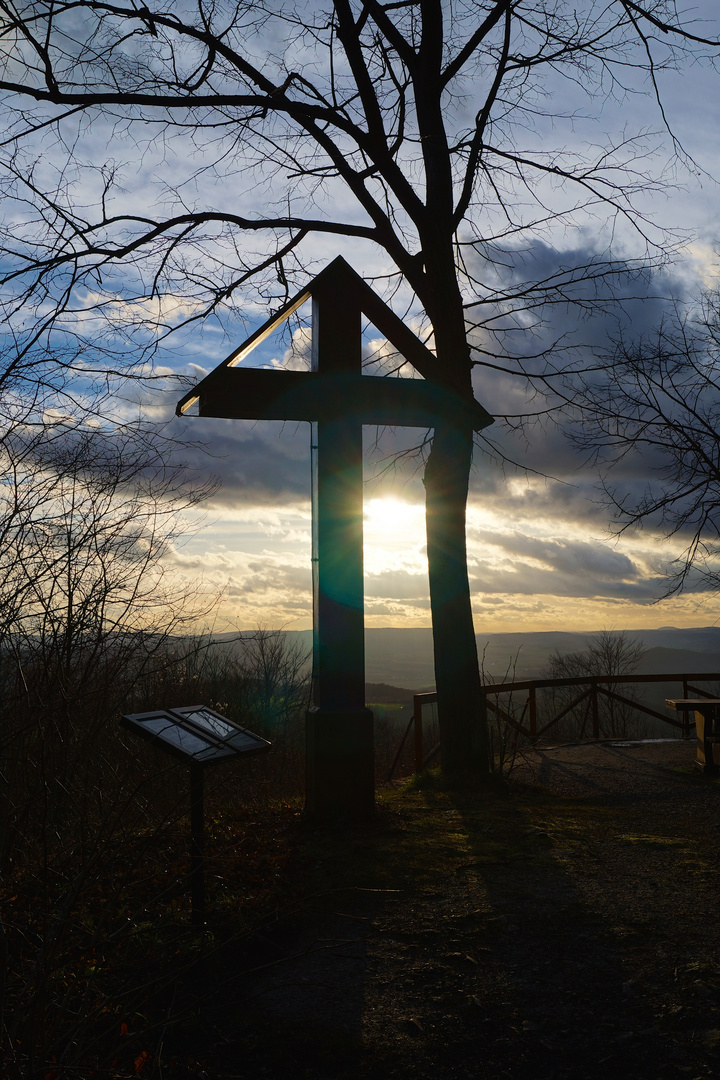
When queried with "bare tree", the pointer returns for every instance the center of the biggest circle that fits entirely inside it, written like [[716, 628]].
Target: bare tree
[[650, 420], [86, 610], [406, 126], [86, 518], [607, 653], [86, 604]]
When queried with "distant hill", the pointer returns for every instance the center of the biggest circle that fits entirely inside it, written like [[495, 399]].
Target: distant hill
[[388, 695], [403, 658], [658, 660]]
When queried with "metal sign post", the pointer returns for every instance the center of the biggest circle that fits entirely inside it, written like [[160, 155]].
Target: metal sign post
[[197, 845], [339, 399]]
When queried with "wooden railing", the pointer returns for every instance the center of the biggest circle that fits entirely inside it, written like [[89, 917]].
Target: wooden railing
[[591, 688]]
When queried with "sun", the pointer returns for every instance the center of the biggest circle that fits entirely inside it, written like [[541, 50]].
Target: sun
[[394, 537], [389, 520]]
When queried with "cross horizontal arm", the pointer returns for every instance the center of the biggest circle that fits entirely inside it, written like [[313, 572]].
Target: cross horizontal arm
[[344, 279], [263, 394]]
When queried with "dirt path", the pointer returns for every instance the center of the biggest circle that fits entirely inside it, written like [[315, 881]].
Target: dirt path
[[564, 928]]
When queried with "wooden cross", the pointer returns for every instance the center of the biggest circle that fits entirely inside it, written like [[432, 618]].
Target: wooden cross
[[339, 399]]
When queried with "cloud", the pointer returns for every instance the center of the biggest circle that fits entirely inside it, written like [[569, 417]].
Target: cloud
[[539, 534], [563, 556], [261, 464], [266, 462], [298, 357], [398, 584]]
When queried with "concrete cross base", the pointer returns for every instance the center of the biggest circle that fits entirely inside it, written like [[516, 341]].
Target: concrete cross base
[[340, 765]]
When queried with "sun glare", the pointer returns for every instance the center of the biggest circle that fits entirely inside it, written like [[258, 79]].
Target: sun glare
[[390, 519], [394, 553], [394, 535]]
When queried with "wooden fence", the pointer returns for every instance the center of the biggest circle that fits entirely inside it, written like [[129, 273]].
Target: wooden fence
[[591, 689]]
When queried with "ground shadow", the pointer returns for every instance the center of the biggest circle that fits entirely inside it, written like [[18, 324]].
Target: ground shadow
[[464, 934]]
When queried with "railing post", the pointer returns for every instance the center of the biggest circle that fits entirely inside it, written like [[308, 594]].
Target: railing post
[[419, 750], [532, 713], [595, 713], [684, 714]]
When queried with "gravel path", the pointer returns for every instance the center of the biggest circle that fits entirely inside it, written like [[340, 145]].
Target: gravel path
[[566, 930], [620, 768]]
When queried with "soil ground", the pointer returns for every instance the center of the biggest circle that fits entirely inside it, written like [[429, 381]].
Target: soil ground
[[563, 925]]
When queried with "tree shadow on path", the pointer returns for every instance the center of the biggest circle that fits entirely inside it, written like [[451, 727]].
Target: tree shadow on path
[[477, 935]]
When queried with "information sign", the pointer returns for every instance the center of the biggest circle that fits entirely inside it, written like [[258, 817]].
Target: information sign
[[195, 733], [198, 736]]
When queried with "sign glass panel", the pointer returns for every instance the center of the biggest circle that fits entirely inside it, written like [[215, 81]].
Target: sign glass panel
[[211, 722], [196, 732]]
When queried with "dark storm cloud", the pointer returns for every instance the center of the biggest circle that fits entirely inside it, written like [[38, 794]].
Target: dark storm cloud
[[515, 577], [268, 462], [569, 300], [572, 333], [265, 463], [527, 582], [565, 556], [574, 501]]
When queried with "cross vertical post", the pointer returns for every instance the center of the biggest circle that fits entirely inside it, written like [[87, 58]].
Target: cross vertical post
[[340, 747]]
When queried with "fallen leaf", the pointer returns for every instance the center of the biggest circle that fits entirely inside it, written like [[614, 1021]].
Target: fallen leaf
[[140, 1062]]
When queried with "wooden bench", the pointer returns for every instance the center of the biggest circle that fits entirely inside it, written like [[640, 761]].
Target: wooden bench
[[707, 725]]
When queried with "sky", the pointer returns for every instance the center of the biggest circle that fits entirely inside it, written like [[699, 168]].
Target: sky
[[542, 554], [541, 551]]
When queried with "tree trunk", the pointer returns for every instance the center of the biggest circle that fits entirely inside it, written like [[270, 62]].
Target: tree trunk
[[461, 706]]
